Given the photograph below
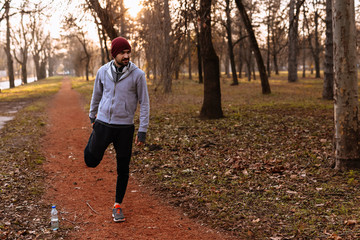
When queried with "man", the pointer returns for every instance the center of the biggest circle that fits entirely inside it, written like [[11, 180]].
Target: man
[[119, 86]]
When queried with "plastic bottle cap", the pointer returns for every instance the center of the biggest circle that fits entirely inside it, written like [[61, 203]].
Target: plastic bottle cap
[[53, 206]]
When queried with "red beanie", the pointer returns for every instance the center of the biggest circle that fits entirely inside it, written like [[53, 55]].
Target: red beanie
[[118, 45]]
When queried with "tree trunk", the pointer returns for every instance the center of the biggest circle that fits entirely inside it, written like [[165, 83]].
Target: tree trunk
[[87, 66], [317, 47], [10, 62], [303, 47], [83, 43], [268, 45], [240, 66], [42, 70], [51, 66], [248, 67], [166, 63], [189, 54], [328, 88], [198, 48], [155, 72], [346, 107], [211, 108], [123, 30], [253, 69], [102, 51], [262, 70], [36, 59], [106, 49], [24, 70], [106, 19], [293, 38], [230, 44], [276, 66]]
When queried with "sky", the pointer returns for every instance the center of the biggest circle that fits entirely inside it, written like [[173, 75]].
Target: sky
[[61, 8], [57, 11]]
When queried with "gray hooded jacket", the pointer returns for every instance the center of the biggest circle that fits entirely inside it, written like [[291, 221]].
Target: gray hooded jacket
[[114, 101]]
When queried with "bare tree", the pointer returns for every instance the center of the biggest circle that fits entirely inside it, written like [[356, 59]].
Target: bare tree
[[166, 64], [10, 62], [163, 36], [188, 17], [105, 56], [52, 58], [123, 27], [22, 37], [294, 11], [77, 32], [106, 17], [150, 34], [346, 105], [211, 107], [304, 43], [260, 63], [328, 88], [40, 41], [313, 36], [293, 38], [268, 26], [198, 50], [230, 43], [279, 40]]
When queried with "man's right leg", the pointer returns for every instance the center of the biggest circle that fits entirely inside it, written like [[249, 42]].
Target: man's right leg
[[99, 140]]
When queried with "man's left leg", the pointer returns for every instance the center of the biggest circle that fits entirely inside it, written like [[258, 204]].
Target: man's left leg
[[123, 146]]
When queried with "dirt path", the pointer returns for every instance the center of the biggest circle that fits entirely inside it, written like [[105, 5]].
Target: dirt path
[[75, 189]]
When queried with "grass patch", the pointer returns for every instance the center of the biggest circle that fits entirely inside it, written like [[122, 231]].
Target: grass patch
[[41, 88], [85, 88], [21, 176], [262, 171]]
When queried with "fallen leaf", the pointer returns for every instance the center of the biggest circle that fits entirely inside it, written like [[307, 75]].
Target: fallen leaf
[[350, 222], [293, 176], [334, 236]]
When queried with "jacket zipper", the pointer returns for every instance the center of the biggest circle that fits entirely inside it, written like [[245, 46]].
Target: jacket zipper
[[112, 102]]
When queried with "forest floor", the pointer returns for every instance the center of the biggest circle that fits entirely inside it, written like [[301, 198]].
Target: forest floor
[[262, 172]]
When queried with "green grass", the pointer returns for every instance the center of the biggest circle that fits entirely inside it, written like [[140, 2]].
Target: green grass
[[83, 87], [33, 90]]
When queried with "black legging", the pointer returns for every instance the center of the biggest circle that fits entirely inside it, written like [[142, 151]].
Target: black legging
[[122, 137]]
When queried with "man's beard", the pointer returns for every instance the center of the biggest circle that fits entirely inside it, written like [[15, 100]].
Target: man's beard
[[121, 63]]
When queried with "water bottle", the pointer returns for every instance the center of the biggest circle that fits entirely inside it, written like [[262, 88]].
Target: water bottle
[[54, 219]]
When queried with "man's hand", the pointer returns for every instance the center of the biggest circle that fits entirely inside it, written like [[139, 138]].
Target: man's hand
[[137, 142], [92, 120]]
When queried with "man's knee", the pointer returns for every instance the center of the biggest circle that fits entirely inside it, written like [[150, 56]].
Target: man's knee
[[90, 160]]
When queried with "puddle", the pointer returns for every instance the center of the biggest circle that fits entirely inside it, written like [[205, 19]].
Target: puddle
[[9, 109], [12, 111], [3, 120]]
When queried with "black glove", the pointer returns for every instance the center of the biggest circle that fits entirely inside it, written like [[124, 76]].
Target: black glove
[[92, 120], [141, 136]]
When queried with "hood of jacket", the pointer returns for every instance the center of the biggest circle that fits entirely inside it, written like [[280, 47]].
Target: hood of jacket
[[125, 72]]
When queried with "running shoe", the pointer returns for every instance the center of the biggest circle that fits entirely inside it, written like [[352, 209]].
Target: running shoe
[[118, 214]]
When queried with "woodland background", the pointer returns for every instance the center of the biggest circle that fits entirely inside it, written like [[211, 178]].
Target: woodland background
[[259, 166]]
